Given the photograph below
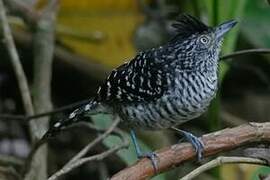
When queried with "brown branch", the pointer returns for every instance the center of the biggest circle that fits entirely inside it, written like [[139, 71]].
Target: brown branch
[[220, 161], [175, 155], [21, 78]]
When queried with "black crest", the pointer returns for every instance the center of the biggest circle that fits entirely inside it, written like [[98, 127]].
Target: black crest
[[187, 25]]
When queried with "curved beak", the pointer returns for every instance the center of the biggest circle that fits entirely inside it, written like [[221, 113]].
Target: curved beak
[[223, 28]]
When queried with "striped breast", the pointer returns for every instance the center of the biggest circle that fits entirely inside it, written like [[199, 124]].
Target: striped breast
[[188, 98]]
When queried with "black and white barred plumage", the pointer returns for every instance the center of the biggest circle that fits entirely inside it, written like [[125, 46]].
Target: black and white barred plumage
[[164, 86]]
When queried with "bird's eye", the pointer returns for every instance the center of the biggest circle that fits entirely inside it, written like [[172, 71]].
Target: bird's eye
[[204, 40]]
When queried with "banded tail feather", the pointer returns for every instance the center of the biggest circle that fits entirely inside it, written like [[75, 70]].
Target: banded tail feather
[[74, 117]]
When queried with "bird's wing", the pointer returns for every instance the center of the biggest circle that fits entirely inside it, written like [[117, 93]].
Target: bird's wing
[[141, 79]]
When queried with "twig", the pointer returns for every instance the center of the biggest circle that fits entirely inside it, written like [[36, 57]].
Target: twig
[[222, 160], [78, 159], [96, 141], [12, 117], [246, 52], [89, 36], [58, 110], [21, 78], [93, 127], [25, 119], [220, 141], [82, 161]]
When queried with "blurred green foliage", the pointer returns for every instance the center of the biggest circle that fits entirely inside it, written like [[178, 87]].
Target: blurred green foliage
[[256, 23]]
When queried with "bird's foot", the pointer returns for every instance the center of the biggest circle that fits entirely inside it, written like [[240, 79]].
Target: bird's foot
[[195, 141], [153, 157]]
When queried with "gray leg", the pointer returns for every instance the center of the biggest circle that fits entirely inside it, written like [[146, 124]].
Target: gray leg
[[150, 155]]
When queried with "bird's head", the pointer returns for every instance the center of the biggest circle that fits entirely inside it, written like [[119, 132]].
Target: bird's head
[[200, 42]]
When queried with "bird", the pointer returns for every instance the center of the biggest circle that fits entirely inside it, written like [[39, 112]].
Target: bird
[[162, 87]]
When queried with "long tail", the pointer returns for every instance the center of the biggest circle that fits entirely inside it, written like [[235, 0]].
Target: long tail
[[74, 117]]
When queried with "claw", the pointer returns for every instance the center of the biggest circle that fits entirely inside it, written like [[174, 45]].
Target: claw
[[197, 144], [153, 157], [195, 141]]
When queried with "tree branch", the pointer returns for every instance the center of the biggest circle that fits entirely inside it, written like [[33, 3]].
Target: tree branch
[[43, 50], [216, 142], [11, 48], [222, 160]]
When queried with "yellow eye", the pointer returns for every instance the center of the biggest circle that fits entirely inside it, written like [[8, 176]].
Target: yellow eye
[[204, 39]]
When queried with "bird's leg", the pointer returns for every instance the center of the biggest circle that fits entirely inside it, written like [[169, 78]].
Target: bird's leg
[[195, 141], [150, 155]]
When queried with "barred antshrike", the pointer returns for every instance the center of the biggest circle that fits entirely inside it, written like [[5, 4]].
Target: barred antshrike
[[162, 87]]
